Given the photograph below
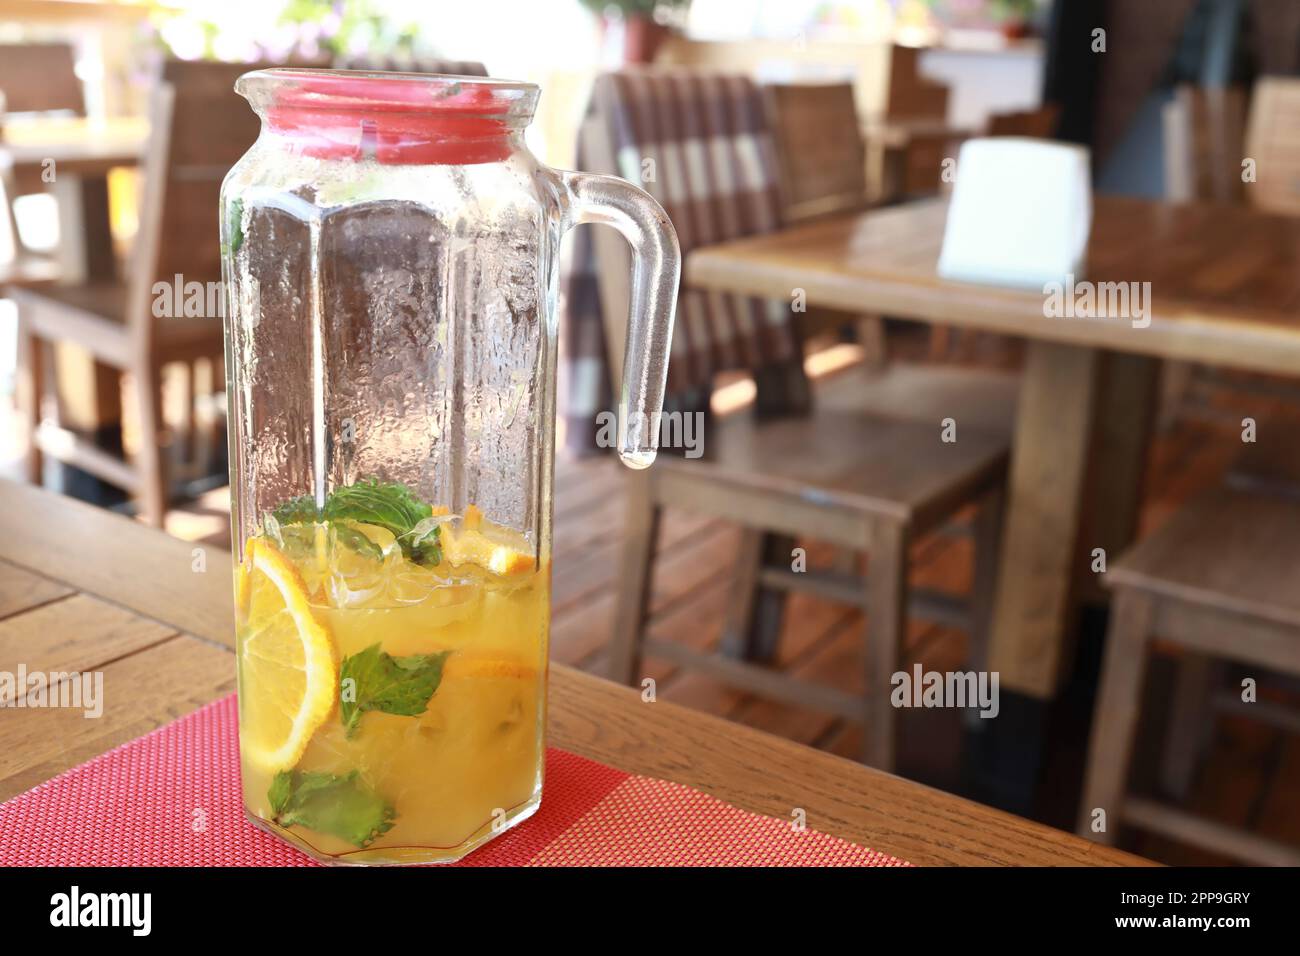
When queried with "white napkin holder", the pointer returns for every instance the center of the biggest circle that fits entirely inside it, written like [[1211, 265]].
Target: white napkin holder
[[1020, 213]]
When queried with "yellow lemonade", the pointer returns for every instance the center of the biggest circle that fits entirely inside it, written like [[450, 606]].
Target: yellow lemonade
[[392, 681]]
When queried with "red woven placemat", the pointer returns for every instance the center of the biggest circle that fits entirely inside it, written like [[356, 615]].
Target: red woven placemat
[[172, 798]]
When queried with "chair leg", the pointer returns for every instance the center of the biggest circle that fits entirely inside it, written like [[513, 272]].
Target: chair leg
[[1189, 717], [1114, 721], [765, 634], [871, 336], [31, 387], [886, 627], [941, 344], [745, 587], [217, 420], [756, 614], [640, 538], [1176, 380], [987, 540], [188, 372], [149, 457]]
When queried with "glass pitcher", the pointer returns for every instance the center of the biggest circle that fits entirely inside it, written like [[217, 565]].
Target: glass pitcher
[[390, 257]]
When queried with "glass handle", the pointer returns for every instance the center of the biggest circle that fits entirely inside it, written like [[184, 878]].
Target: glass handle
[[656, 270]]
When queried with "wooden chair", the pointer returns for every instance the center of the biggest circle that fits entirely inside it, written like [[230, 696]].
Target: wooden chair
[[821, 156], [847, 473], [1038, 123], [1270, 466], [200, 127], [822, 161], [40, 78], [910, 94], [1204, 136], [1219, 581], [854, 479], [910, 141], [1205, 141], [1273, 142]]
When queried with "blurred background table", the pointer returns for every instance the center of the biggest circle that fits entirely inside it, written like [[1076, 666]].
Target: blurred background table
[[73, 156], [1087, 402]]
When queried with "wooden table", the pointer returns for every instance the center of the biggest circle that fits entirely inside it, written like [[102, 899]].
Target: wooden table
[[84, 589], [71, 157], [78, 154], [1225, 289]]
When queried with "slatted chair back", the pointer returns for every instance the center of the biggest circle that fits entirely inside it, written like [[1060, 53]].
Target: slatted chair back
[[40, 78], [1204, 131], [701, 145], [1038, 123], [199, 128], [1273, 143], [823, 162]]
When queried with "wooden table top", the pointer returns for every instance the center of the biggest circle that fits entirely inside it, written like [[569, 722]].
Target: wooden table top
[[84, 589], [1225, 280], [75, 144]]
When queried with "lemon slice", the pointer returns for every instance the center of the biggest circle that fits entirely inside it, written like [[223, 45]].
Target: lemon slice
[[471, 546], [288, 674]]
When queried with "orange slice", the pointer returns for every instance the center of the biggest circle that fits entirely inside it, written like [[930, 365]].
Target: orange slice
[[287, 670]]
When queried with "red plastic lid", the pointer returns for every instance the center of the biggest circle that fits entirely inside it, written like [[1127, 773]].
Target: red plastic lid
[[400, 118]]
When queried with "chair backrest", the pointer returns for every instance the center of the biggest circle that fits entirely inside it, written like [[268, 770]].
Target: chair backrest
[[1273, 142], [1039, 123], [1204, 133], [40, 77], [702, 146], [823, 160], [199, 128], [911, 95]]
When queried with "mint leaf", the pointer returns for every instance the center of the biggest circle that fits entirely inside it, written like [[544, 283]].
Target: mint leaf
[[281, 790], [340, 806], [423, 543], [388, 505], [236, 212], [393, 685], [300, 510]]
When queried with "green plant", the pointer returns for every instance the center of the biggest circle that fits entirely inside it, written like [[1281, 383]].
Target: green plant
[[340, 28], [1014, 9]]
